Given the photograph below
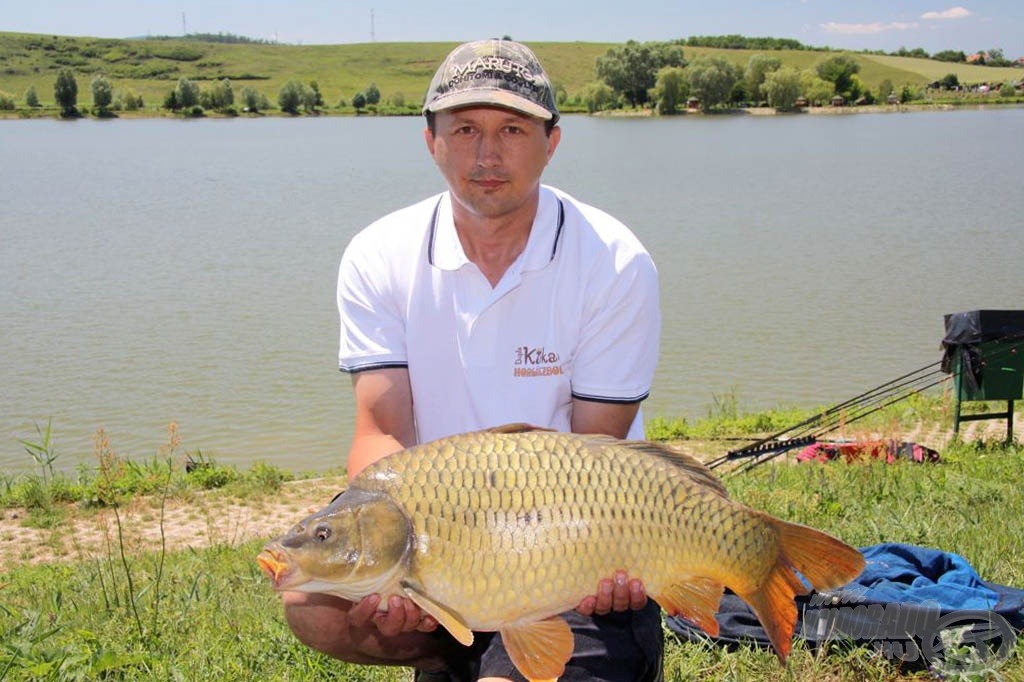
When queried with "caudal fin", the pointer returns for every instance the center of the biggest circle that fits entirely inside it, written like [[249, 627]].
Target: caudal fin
[[824, 561]]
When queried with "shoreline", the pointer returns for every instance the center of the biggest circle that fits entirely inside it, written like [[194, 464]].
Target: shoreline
[[49, 113]]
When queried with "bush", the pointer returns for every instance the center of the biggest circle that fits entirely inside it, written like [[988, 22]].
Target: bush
[[65, 92], [219, 96], [186, 93], [102, 92], [290, 97], [253, 100], [128, 100], [31, 98], [6, 102]]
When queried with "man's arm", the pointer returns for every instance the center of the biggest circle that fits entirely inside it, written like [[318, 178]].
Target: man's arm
[[384, 425], [384, 420], [614, 419]]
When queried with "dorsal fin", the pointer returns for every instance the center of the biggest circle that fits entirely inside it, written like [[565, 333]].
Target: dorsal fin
[[515, 427], [689, 464]]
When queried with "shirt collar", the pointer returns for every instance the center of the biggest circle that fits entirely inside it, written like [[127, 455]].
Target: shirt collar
[[446, 252]]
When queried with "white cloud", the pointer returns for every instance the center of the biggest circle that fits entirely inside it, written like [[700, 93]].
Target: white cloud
[[951, 13], [867, 29]]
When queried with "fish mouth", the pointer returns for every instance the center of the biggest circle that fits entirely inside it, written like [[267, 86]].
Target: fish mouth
[[275, 564]]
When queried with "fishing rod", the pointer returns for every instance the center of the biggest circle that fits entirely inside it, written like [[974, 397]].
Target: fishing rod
[[803, 433], [808, 431], [810, 440]]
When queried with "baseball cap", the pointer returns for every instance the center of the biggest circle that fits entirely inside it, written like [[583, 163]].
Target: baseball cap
[[501, 73]]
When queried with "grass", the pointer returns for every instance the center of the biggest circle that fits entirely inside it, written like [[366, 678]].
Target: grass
[[209, 614], [51, 496], [151, 68]]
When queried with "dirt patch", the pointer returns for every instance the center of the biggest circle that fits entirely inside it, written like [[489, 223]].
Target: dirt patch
[[205, 519]]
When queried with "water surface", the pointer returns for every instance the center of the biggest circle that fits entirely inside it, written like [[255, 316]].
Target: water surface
[[156, 270]]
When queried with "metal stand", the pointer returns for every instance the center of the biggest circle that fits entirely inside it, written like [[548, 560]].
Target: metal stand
[[1008, 416]]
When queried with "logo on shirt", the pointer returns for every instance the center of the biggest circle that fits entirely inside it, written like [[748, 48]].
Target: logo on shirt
[[536, 362]]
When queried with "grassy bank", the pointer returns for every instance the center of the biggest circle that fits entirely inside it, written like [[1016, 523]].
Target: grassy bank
[[401, 71], [206, 612]]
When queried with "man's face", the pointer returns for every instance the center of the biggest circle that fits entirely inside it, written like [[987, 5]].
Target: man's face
[[492, 158]]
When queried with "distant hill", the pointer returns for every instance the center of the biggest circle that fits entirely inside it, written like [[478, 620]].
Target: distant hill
[[151, 67]]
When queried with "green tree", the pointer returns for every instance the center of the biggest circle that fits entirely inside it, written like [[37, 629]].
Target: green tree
[[171, 101], [782, 87], [372, 95], [7, 102], [817, 90], [290, 97], [309, 98], [128, 100], [839, 71], [711, 80], [359, 101], [31, 98], [598, 96], [253, 100], [102, 93], [950, 81], [186, 94], [950, 56], [318, 98], [221, 95], [885, 88], [758, 67], [632, 69], [65, 92], [670, 90], [996, 57]]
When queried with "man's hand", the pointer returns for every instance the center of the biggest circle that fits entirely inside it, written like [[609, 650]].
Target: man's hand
[[402, 616], [615, 594]]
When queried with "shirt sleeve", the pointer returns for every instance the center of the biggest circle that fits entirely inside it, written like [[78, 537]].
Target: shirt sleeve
[[620, 339], [372, 323]]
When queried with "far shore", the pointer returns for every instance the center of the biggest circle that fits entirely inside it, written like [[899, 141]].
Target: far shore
[[50, 113]]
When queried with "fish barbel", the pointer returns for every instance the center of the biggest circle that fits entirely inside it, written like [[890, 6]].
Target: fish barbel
[[504, 529]]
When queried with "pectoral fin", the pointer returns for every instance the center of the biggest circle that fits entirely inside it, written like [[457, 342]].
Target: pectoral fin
[[539, 650], [696, 600], [448, 619]]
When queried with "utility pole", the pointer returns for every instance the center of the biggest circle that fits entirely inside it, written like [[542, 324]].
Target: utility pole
[[373, 32], [184, 27]]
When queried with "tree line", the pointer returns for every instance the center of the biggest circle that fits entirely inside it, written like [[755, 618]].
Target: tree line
[[653, 75], [189, 98], [657, 75]]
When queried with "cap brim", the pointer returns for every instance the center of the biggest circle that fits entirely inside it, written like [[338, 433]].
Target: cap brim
[[489, 97]]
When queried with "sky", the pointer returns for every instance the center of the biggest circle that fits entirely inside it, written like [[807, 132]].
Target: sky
[[935, 25]]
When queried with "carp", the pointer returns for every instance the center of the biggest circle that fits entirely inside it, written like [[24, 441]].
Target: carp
[[505, 529]]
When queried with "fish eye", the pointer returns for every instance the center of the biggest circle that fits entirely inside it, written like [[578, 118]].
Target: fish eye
[[322, 533]]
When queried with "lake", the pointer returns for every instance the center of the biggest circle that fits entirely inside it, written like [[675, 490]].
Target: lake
[[161, 270]]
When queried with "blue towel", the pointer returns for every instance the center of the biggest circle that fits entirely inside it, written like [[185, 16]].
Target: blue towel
[[917, 575]]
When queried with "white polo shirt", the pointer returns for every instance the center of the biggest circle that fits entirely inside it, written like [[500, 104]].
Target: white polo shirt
[[577, 314]]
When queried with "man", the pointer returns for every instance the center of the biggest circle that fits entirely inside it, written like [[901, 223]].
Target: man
[[500, 300]]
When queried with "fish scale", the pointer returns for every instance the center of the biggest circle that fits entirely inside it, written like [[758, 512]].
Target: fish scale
[[587, 504], [504, 529]]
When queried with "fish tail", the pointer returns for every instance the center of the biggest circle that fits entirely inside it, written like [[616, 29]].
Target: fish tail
[[825, 563]]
